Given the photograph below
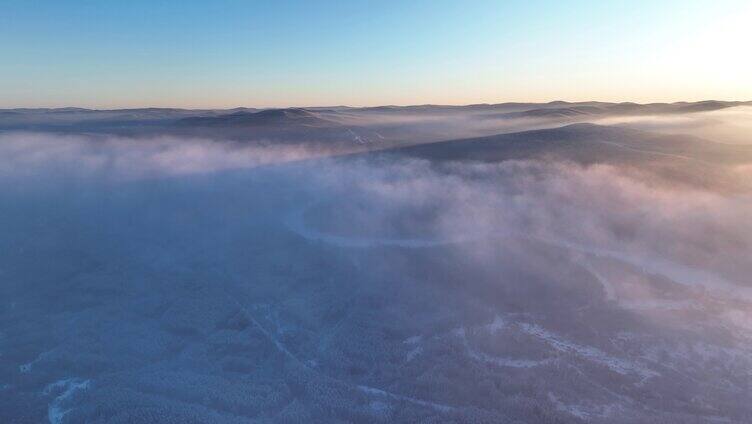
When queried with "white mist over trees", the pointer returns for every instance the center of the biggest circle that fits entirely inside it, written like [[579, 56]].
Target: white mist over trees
[[358, 266]]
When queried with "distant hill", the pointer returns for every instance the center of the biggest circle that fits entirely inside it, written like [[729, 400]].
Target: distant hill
[[580, 110], [384, 126], [582, 143], [264, 118]]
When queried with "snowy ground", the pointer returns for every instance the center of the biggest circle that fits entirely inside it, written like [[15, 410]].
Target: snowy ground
[[212, 298]]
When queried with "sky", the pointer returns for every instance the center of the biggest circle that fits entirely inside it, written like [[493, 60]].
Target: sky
[[224, 54]]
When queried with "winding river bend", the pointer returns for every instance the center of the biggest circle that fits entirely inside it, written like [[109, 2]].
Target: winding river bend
[[679, 273]]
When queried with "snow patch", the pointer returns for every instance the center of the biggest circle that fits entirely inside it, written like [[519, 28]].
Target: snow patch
[[496, 325], [413, 340], [55, 410], [27, 367], [505, 362], [417, 348], [575, 410], [378, 392], [412, 354], [621, 366]]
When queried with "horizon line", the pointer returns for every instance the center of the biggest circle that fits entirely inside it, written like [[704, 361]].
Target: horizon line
[[93, 109]]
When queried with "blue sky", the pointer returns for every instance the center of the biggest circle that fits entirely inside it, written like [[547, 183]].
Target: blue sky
[[282, 53]]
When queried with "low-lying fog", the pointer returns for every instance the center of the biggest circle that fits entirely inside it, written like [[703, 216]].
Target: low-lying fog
[[182, 279], [732, 125]]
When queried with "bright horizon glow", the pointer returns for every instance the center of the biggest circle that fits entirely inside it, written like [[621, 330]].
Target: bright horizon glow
[[276, 54]]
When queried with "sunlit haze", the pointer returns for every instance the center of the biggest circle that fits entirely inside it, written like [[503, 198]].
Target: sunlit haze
[[285, 53]]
